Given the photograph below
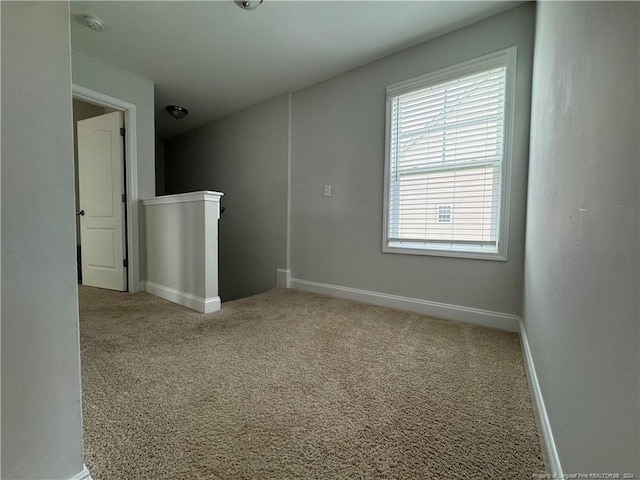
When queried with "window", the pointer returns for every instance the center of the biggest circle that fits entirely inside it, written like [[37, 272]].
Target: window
[[448, 150]]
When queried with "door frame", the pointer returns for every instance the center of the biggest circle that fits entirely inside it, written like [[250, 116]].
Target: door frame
[[84, 94]]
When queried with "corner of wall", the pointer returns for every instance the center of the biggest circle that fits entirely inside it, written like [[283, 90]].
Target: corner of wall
[[549, 451]]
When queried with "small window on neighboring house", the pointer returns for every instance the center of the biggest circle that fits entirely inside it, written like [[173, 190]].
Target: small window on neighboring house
[[444, 213], [448, 149]]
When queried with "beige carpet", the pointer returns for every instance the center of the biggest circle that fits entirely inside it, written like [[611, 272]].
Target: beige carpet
[[291, 385]]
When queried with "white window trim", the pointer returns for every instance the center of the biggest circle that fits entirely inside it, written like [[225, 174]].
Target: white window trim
[[503, 57]]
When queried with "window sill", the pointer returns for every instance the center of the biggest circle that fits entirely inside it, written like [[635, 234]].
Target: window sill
[[436, 252]]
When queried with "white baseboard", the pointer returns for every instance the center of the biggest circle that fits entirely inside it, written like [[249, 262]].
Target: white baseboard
[[502, 321], [83, 475], [552, 460], [283, 278], [199, 304]]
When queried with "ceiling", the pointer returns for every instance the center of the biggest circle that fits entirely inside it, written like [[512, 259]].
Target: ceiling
[[215, 59]]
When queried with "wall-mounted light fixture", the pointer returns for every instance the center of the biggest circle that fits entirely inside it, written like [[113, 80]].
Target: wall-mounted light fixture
[[176, 112], [248, 4]]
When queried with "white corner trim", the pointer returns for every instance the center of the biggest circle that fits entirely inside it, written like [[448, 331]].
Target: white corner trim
[[487, 318], [289, 164], [199, 304], [548, 443], [83, 475], [204, 196], [283, 278]]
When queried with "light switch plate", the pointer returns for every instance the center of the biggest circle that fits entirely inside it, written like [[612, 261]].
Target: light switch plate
[[327, 190]]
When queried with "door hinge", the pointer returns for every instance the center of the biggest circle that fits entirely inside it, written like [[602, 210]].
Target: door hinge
[[124, 197], [122, 131], [125, 263]]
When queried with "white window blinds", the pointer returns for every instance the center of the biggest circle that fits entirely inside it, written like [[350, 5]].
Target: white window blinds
[[445, 163]]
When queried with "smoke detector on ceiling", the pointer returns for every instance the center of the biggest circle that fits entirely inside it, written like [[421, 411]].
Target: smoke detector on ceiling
[[93, 22], [248, 4]]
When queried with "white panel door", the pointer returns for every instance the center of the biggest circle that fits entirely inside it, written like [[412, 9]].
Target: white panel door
[[102, 211]]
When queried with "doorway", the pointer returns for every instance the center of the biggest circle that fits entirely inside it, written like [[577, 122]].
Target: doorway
[[95, 105], [100, 165]]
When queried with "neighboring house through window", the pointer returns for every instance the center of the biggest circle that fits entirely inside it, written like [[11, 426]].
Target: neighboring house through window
[[448, 158], [444, 213]]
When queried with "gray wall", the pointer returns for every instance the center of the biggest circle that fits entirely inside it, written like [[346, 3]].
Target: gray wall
[[338, 139], [103, 78], [581, 285], [160, 190], [41, 409], [243, 156]]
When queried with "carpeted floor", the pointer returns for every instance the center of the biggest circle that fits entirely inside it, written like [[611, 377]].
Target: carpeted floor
[[292, 385]]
